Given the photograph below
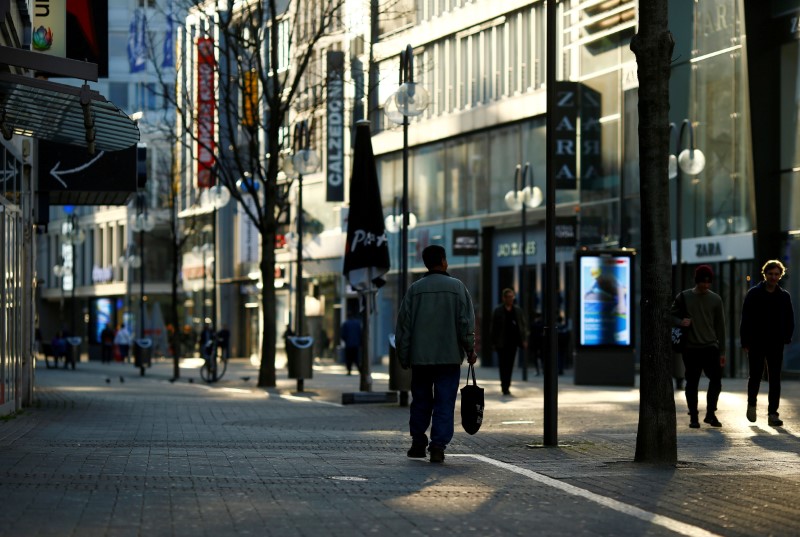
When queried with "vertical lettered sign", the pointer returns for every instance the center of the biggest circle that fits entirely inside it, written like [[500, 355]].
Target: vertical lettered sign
[[565, 160], [591, 158], [335, 109], [205, 112]]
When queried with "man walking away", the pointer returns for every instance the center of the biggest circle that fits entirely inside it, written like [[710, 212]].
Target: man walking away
[[351, 336], [435, 329], [107, 344], [767, 325], [509, 331], [699, 311]]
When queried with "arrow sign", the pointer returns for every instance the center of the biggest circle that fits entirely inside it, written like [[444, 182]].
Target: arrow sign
[[57, 174], [70, 175]]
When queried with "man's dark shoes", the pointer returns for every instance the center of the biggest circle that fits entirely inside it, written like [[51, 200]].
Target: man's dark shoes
[[416, 451], [712, 420], [774, 420], [693, 423], [437, 454]]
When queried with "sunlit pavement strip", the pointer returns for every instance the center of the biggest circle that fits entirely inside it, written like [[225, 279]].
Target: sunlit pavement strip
[[641, 514]]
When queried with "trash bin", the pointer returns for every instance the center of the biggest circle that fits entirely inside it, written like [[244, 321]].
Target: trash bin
[[399, 378], [142, 352], [73, 351], [300, 356]]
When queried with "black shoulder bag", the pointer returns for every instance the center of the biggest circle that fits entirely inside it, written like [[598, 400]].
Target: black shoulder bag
[[471, 404], [679, 333]]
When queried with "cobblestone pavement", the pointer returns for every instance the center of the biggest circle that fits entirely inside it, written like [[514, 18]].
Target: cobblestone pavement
[[107, 452]]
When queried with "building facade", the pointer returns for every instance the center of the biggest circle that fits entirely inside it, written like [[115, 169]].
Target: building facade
[[483, 64], [122, 275]]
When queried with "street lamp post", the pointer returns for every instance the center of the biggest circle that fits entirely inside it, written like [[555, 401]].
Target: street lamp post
[[141, 222], [409, 100], [218, 196], [304, 161], [394, 223], [202, 249], [690, 161], [521, 196], [72, 236]]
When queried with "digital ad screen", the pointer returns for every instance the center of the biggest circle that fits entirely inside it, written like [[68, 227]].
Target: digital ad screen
[[104, 315], [604, 305]]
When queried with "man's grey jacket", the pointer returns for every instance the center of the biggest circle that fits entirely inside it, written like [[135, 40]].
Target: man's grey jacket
[[436, 322]]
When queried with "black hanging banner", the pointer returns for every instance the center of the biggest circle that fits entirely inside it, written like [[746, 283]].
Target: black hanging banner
[[335, 108]]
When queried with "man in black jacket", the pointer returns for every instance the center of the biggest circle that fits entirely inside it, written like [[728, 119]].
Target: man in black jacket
[[767, 325], [509, 331]]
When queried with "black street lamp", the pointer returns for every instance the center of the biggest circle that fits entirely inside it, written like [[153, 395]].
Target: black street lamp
[[393, 223], [690, 161], [142, 222], [409, 100], [522, 196], [72, 235], [302, 162]]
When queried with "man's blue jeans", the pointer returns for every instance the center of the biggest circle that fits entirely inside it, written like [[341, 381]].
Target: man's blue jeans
[[434, 389]]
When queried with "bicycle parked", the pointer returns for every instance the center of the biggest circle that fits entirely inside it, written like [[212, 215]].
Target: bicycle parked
[[216, 360]]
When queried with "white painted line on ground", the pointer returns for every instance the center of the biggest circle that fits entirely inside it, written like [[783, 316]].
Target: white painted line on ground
[[666, 522]]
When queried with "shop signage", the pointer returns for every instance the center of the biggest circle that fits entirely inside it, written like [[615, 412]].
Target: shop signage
[[788, 29], [465, 242], [102, 274], [513, 249], [722, 248], [205, 112], [335, 108], [577, 112], [565, 163], [590, 159], [566, 231]]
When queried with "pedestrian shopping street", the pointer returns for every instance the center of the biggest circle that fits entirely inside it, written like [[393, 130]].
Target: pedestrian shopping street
[[105, 451]]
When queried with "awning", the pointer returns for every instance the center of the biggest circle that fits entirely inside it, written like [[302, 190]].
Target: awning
[[61, 113]]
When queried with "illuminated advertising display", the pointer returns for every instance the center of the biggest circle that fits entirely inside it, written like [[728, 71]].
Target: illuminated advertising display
[[605, 312]]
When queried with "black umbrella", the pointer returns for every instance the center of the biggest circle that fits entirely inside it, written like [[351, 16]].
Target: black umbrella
[[366, 256]]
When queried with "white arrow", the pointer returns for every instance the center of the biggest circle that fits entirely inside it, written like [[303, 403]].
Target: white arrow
[[7, 174], [57, 174]]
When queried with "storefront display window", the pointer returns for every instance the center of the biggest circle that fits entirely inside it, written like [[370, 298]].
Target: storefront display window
[[720, 198], [790, 136], [426, 182], [504, 156]]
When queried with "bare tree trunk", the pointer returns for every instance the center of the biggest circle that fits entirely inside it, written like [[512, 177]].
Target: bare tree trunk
[[656, 440], [266, 372]]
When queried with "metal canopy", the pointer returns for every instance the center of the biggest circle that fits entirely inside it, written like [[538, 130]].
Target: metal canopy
[[61, 113]]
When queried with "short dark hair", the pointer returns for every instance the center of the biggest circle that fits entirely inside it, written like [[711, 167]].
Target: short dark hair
[[433, 256]]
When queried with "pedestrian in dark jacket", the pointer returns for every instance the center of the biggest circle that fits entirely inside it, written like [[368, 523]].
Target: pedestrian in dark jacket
[[351, 336], [699, 311], [435, 330], [509, 332], [767, 325]]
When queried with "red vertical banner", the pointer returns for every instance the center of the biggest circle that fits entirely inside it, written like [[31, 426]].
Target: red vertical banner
[[205, 112]]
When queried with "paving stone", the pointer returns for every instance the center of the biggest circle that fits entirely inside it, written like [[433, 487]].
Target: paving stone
[[149, 457]]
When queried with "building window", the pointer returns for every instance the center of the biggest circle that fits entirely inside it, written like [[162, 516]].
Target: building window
[[118, 94], [146, 96]]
